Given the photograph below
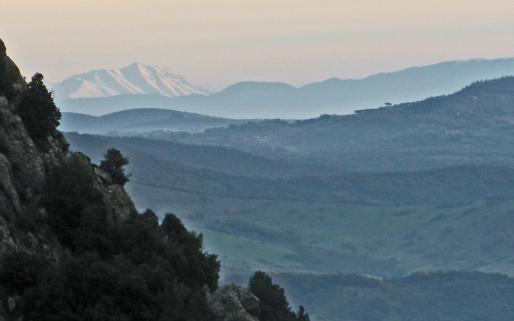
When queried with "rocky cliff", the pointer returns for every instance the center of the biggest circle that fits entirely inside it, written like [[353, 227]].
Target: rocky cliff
[[24, 167]]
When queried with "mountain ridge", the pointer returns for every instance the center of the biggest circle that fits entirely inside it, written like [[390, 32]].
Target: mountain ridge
[[263, 100], [134, 79], [470, 122]]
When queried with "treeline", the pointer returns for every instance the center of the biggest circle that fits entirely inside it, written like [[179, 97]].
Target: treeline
[[220, 174]]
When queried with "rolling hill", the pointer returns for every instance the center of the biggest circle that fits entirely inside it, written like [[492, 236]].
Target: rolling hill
[[385, 224], [424, 186], [141, 120], [472, 126]]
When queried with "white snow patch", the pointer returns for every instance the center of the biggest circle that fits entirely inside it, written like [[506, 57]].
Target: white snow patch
[[136, 79]]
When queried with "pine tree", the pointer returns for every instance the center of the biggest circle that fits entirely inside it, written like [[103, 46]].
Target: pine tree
[[302, 316], [274, 305], [113, 164]]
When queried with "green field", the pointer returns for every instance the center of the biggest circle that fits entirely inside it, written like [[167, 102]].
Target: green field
[[382, 240]]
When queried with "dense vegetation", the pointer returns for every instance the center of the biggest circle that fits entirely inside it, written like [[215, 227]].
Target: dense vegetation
[[139, 270], [38, 110], [274, 305]]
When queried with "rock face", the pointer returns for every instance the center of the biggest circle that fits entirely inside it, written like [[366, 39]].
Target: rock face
[[11, 80], [24, 169], [232, 303]]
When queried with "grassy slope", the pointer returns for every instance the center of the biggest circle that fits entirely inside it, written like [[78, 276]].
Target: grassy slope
[[378, 240], [268, 224]]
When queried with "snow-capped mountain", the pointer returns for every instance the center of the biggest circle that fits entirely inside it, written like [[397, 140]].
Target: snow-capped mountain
[[135, 79]]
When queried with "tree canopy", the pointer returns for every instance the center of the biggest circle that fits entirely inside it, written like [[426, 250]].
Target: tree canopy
[[274, 305], [113, 164], [38, 110], [131, 271]]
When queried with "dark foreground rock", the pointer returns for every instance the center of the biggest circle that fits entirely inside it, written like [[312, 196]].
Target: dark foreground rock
[[232, 303]]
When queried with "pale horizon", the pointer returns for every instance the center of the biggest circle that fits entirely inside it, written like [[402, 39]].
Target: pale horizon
[[218, 44]]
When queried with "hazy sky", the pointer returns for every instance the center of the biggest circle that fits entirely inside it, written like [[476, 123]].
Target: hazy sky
[[217, 42]]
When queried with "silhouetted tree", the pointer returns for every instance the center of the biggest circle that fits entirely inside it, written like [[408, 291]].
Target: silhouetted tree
[[302, 316], [113, 164], [38, 110], [274, 305]]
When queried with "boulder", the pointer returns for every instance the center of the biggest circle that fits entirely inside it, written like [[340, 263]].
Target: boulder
[[233, 303]]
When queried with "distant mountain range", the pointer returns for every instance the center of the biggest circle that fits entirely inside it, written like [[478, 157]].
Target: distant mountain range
[[136, 79], [280, 100], [474, 125]]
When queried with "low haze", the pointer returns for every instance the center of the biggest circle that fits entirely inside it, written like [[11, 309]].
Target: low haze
[[244, 160], [216, 43]]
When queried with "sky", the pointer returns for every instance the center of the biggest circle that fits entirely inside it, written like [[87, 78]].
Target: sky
[[215, 43]]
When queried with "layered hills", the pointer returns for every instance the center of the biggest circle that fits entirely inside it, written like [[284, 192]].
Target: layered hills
[[384, 193], [251, 100]]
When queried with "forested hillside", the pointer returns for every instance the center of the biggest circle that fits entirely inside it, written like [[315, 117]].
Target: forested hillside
[[383, 224], [472, 126]]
